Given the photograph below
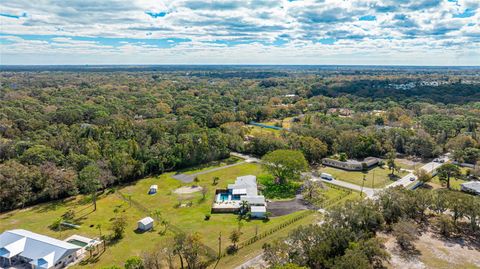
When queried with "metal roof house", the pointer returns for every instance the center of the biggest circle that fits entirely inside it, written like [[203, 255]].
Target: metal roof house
[[244, 189], [39, 251], [351, 165], [471, 187]]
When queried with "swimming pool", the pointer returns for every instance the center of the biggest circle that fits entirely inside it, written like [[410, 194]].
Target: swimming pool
[[223, 197], [77, 242]]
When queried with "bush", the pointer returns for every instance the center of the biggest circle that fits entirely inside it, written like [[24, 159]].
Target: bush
[[207, 217], [274, 190]]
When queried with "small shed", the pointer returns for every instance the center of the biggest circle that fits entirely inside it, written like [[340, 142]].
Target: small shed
[[145, 224], [258, 211], [153, 189]]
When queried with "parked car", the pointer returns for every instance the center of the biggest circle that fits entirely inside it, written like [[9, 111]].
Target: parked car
[[326, 176], [412, 179]]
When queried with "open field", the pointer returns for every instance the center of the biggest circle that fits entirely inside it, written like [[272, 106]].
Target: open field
[[377, 177], [187, 218], [256, 130]]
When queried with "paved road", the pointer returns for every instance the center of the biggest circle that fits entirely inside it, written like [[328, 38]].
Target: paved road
[[368, 191], [405, 181]]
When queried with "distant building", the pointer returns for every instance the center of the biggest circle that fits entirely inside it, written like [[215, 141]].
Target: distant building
[[145, 224], [38, 251], [243, 190], [351, 165], [471, 187]]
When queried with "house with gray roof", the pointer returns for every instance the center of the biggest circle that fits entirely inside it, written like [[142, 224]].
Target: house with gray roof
[[244, 189], [471, 187], [40, 251]]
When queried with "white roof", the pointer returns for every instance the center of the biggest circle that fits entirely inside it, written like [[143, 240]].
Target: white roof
[[259, 199], [239, 191], [146, 221], [154, 187], [44, 251], [473, 185], [258, 209], [247, 185]]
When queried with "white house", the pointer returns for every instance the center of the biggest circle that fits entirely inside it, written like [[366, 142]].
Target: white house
[[145, 224], [40, 251], [244, 189], [472, 187]]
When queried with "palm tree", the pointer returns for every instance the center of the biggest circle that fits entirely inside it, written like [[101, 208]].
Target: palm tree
[[99, 228], [244, 207]]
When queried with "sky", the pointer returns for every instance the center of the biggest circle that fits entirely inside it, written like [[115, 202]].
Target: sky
[[337, 32]]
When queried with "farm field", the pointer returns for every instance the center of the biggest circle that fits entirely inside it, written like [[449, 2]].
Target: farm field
[[377, 177]]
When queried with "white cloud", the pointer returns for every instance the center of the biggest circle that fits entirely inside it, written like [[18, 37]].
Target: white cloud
[[407, 31]]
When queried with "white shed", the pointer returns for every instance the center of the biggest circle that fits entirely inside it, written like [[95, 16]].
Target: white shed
[[258, 211], [153, 189], [145, 224]]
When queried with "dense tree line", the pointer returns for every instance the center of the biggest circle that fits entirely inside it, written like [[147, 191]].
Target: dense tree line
[[60, 128], [347, 236]]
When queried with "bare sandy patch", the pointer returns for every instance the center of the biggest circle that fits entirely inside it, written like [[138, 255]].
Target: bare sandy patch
[[188, 189], [434, 252]]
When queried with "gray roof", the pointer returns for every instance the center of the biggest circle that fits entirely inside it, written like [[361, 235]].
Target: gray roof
[[472, 185], [146, 221], [44, 251]]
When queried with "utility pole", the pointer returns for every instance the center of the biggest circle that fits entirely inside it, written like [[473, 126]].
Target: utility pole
[[219, 245], [363, 183], [373, 180]]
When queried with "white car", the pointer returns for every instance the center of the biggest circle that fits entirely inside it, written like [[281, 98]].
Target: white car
[[326, 176]]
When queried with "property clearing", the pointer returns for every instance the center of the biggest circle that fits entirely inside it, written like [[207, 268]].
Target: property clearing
[[377, 177], [434, 252]]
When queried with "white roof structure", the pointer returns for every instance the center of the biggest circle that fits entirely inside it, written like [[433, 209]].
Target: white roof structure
[[472, 186], [254, 200], [258, 209], [154, 187], [44, 251], [146, 221], [246, 184]]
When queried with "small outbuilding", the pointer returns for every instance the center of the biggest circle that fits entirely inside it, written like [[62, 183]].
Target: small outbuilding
[[153, 189], [258, 212], [145, 224], [471, 187]]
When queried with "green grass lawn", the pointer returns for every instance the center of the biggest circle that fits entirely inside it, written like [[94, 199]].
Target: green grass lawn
[[256, 130], [377, 177], [189, 219], [210, 165], [454, 182], [335, 195]]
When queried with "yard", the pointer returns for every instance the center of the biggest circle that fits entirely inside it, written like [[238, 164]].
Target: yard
[[454, 182], [377, 177], [183, 212]]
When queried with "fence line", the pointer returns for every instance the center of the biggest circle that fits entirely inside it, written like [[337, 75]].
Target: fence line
[[282, 225], [211, 253]]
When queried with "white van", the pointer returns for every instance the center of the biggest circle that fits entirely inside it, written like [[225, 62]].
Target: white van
[[326, 176]]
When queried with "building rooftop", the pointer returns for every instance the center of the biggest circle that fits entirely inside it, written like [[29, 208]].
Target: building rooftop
[[472, 185], [146, 220], [44, 251]]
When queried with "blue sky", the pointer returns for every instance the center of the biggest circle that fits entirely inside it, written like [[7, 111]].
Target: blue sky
[[398, 32]]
